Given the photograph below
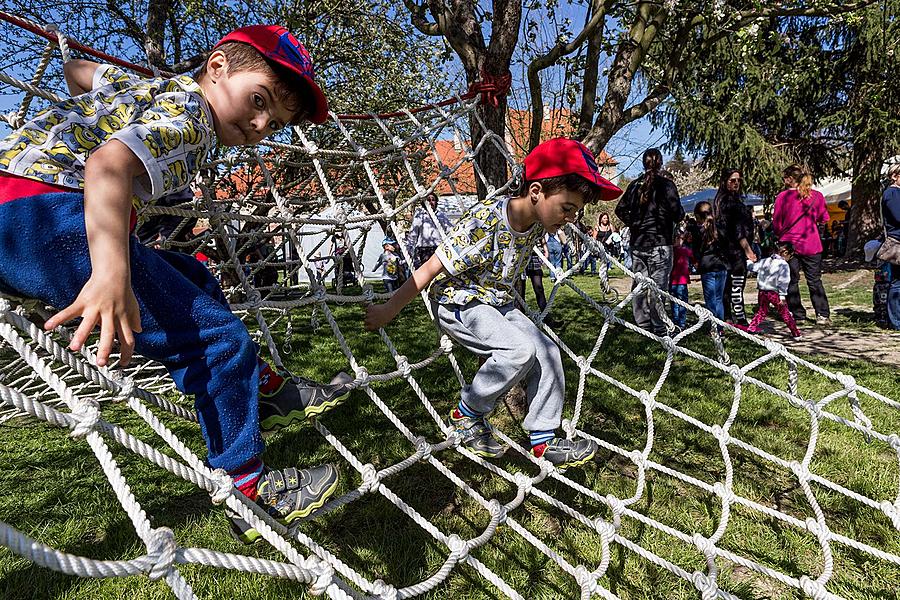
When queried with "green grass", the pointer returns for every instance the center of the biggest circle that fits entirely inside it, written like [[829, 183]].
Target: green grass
[[53, 489]]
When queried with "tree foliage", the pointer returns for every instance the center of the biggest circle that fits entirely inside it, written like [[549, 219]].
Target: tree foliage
[[814, 91], [366, 57]]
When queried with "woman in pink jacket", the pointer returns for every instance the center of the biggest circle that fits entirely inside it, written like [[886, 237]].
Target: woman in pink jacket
[[798, 211]]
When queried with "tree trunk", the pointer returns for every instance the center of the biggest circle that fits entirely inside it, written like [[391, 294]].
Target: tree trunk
[[490, 160], [865, 218]]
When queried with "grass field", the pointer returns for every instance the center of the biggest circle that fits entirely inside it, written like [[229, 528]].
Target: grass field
[[53, 490]]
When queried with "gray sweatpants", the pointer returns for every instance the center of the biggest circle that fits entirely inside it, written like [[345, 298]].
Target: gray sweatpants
[[513, 348], [656, 263]]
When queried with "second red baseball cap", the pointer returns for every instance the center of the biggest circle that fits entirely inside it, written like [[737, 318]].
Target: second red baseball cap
[[562, 156], [279, 45]]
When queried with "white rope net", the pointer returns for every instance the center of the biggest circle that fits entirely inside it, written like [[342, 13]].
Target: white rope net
[[331, 189]]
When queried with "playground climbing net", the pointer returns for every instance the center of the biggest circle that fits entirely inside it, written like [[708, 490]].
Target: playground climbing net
[[312, 200]]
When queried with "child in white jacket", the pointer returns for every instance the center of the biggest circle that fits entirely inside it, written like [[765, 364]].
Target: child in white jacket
[[773, 275]]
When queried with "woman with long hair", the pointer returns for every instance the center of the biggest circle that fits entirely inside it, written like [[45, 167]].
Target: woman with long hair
[[651, 208], [709, 250], [890, 217], [734, 224], [799, 210]]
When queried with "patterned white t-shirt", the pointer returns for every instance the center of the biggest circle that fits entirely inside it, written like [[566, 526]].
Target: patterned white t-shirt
[[483, 256], [165, 122]]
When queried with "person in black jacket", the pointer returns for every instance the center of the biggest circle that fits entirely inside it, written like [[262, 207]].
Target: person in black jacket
[[734, 222], [651, 208]]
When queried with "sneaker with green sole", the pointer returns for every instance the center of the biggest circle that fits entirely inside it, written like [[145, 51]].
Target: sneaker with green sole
[[477, 435], [567, 453], [287, 495], [298, 398]]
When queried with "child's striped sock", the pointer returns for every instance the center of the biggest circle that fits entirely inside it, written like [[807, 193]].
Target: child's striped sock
[[247, 476], [539, 440], [463, 410], [269, 381]]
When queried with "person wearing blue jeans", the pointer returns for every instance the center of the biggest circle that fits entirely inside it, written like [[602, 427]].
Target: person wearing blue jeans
[[554, 252], [893, 299], [710, 252]]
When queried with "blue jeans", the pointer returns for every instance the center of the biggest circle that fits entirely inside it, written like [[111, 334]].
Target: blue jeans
[[893, 299], [187, 325], [714, 292], [679, 313]]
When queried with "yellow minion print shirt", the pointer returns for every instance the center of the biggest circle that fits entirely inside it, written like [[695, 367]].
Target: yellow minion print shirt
[[165, 122], [483, 256]]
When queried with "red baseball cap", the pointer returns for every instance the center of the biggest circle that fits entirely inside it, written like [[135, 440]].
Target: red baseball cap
[[562, 156], [279, 45]]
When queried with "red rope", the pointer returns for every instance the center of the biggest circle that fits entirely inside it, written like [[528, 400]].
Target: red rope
[[491, 87]]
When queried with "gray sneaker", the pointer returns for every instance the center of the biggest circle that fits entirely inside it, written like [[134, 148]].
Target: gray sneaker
[[287, 495], [299, 398], [477, 435], [568, 453]]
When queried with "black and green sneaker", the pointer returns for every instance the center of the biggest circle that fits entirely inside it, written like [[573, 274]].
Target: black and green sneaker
[[566, 453], [287, 495], [476, 434], [298, 398]]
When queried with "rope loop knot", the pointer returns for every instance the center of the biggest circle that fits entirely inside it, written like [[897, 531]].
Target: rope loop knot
[[497, 510], [813, 588], [362, 377], [222, 486], [370, 478], [403, 365], [323, 580], [705, 585], [458, 547], [423, 447], [446, 344], [161, 549], [86, 415], [126, 388]]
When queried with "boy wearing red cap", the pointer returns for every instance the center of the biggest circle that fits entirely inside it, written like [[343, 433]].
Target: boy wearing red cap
[[472, 276], [70, 180]]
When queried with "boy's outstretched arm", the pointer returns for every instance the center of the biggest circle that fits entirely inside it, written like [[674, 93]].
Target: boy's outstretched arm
[[379, 315], [107, 298], [80, 76]]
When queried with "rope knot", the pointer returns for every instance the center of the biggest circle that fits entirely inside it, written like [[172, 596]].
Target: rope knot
[[423, 447], [800, 470], [523, 482], [582, 364], [736, 373], [384, 590], [370, 478], [324, 579], [618, 509], [319, 294], [126, 388], [446, 344], [368, 292], [362, 377], [813, 588], [585, 580], [497, 510], [403, 365], [569, 428], [720, 434], [894, 441], [848, 381], [820, 530], [773, 346], [606, 529], [723, 492], [161, 549], [705, 585], [86, 415], [492, 87], [254, 298], [647, 400], [892, 511], [704, 545], [222, 486], [668, 343], [458, 547]]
